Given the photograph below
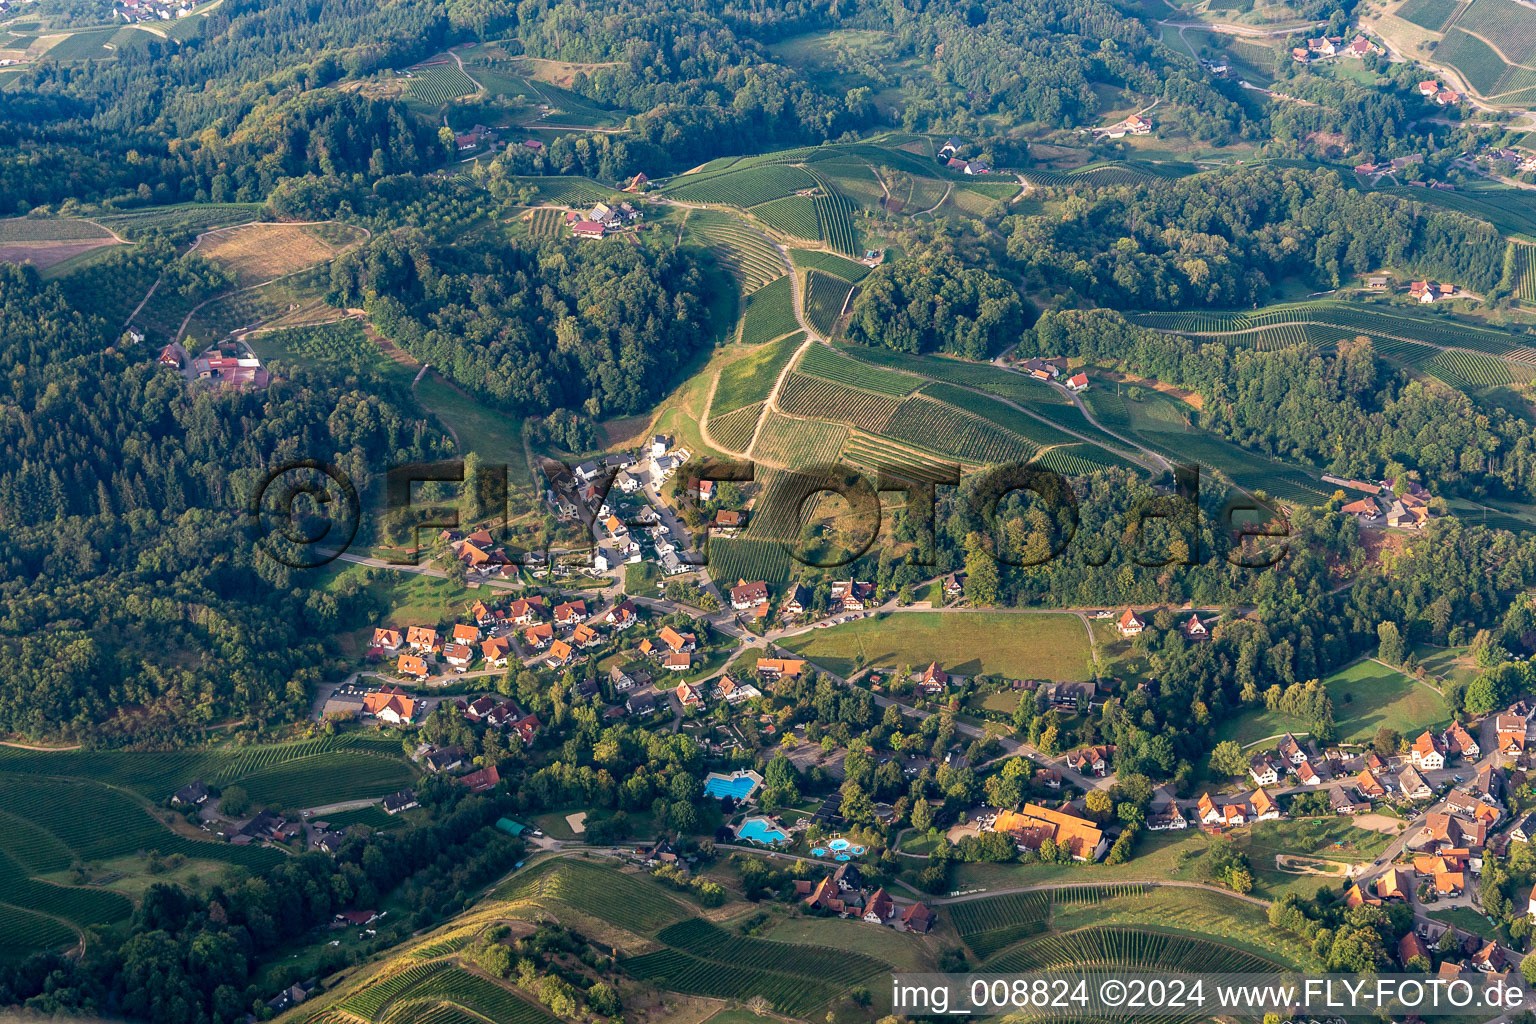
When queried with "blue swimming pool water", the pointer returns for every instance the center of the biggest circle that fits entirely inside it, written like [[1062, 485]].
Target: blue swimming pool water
[[842, 856], [858, 851], [819, 852], [759, 830], [838, 844], [738, 788]]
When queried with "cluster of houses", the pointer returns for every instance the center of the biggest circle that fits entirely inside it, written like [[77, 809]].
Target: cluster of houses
[[1131, 625], [627, 528], [1136, 124], [1428, 291], [1372, 172], [602, 219], [1333, 46], [949, 156], [1431, 89], [1364, 777], [150, 10], [232, 365], [843, 893], [1409, 510], [1053, 371]]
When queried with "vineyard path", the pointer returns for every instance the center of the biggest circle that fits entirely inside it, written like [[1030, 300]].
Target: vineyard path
[[811, 338]]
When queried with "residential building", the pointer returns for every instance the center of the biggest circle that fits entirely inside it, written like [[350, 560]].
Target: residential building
[[1130, 624]]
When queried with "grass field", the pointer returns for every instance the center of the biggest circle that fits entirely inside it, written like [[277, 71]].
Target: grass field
[[1366, 696], [1027, 646], [632, 902], [749, 379]]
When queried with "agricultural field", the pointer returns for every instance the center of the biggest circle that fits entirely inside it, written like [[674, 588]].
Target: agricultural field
[[798, 444], [825, 296], [1129, 949], [734, 430], [792, 215], [943, 429], [827, 401], [835, 212], [1511, 210], [342, 344], [878, 455], [47, 243], [632, 902], [769, 313], [1434, 15], [1366, 696], [827, 363], [181, 217], [439, 83], [546, 222], [1523, 279], [564, 190], [740, 558], [1004, 416], [1470, 371], [987, 926], [453, 988], [1511, 26], [1010, 644], [828, 263], [748, 380], [741, 249], [743, 188], [1008, 384], [255, 253], [1482, 67]]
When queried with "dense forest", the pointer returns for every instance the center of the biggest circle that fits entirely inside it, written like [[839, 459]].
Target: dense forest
[[1350, 411], [1229, 240], [603, 328], [136, 605]]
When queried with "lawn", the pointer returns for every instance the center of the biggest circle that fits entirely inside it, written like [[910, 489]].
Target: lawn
[[1465, 918], [901, 950], [1446, 662], [408, 599], [1366, 696], [494, 436], [966, 643]]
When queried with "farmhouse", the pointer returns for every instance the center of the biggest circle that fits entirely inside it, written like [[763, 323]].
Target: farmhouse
[[746, 595], [1168, 818], [797, 602], [954, 585], [390, 704], [933, 679], [1130, 624], [774, 668], [193, 794], [480, 781], [1194, 629], [401, 801], [1427, 752], [1459, 742], [1033, 825], [1077, 382]]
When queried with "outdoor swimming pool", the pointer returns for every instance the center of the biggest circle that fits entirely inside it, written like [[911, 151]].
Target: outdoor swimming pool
[[761, 830], [838, 845], [819, 851], [738, 786]]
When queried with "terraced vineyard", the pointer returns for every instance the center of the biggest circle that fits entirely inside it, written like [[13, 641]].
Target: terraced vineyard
[[793, 215], [741, 249], [734, 429], [991, 924], [748, 380], [23, 933], [436, 84], [825, 400], [828, 263], [681, 972], [1127, 949], [824, 298], [564, 190], [1523, 272], [828, 363], [546, 222], [1005, 383], [798, 443], [369, 1001], [1511, 25], [636, 904], [835, 212], [946, 430], [459, 988], [741, 558], [840, 967], [1469, 371], [747, 187], [769, 313], [1080, 460], [1004, 416], [1431, 14], [1372, 321], [878, 455]]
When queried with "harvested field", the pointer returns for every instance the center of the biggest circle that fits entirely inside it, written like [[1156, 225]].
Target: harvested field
[[260, 252]]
